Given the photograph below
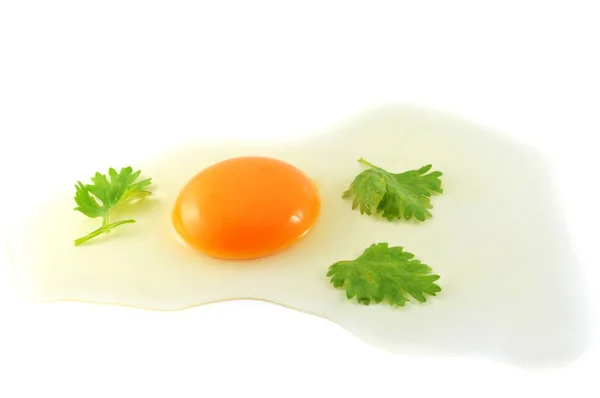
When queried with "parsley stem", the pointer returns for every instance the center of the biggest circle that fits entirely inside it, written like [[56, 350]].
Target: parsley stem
[[364, 162], [105, 228]]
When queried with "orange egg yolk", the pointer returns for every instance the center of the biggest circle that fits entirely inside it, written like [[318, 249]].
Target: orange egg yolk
[[245, 208]]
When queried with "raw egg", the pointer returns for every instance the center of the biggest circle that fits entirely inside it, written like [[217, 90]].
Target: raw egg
[[246, 207], [265, 221]]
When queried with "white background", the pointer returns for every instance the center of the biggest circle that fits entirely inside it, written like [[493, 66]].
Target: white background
[[84, 82]]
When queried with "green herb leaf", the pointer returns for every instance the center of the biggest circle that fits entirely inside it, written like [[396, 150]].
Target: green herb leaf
[[384, 273], [395, 196], [105, 194]]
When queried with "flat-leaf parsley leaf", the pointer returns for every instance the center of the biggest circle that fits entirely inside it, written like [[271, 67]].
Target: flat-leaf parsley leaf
[[104, 195], [384, 273], [404, 195]]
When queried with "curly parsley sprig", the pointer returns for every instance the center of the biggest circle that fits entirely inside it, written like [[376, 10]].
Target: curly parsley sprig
[[395, 196], [384, 273], [104, 195]]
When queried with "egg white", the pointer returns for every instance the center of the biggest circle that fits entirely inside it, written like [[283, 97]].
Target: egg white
[[495, 239]]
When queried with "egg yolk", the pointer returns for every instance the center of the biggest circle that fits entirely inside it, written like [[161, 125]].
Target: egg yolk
[[245, 208]]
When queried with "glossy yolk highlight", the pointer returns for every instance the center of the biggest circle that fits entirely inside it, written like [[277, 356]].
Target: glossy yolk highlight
[[245, 208]]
